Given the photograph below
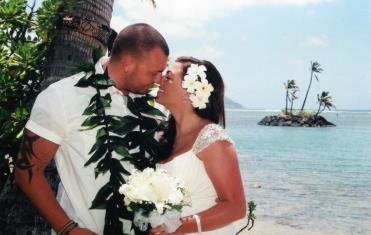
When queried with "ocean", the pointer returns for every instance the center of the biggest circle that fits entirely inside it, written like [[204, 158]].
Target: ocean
[[307, 178]]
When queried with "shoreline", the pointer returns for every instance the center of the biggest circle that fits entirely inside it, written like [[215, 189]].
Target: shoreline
[[366, 111], [266, 227]]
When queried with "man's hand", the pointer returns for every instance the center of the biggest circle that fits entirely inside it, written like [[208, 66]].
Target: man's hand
[[160, 230]]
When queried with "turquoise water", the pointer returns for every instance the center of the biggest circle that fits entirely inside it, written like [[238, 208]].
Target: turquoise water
[[307, 178]]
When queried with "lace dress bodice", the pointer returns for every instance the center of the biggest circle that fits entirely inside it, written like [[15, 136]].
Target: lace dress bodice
[[191, 170], [208, 135]]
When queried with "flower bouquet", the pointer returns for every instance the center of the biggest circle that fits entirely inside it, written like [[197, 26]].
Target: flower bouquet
[[156, 198]]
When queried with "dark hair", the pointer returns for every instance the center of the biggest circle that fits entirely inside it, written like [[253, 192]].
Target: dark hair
[[213, 112], [137, 39]]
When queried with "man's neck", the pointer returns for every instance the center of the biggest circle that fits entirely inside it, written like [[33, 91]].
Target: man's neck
[[110, 65]]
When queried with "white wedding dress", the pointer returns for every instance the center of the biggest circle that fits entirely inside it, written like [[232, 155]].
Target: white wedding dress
[[191, 170]]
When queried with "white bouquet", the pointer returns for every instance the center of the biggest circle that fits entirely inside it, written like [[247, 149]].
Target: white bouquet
[[156, 198]]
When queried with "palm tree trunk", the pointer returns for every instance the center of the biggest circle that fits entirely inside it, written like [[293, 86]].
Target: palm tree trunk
[[319, 107], [292, 104], [306, 95], [76, 38], [70, 47], [287, 97]]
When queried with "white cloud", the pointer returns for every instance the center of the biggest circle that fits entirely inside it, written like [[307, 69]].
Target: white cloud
[[187, 19], [318, 41], [208, 52]]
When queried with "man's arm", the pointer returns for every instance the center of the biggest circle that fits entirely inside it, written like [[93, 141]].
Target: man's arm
[[34, 155]]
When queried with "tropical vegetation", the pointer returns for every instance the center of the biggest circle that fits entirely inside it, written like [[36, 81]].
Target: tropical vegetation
[[25, 36], [291, 94]]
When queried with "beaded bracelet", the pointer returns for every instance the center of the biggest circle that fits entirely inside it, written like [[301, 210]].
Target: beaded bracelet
[[67, 228]]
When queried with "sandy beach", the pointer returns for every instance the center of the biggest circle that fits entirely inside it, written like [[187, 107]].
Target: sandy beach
[[270, 228]]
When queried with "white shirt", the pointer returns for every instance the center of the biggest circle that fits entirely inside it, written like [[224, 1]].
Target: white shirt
[[57, 117]]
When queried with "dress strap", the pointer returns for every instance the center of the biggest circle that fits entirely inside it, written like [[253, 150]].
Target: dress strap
[[208, 135]]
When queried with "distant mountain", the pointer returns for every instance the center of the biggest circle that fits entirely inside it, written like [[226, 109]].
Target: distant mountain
[[230, 104]]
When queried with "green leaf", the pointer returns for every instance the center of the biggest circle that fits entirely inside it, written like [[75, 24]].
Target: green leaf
[[95, 147], [149, 123], [97, 54], [117, 166], [134, 109], [83, 82], [106, 101], [177, 207], [98, 154], [101, 132], [90, 110], [151, 111], [151, 102], [122, 125], [101, 198], [103, 165], [121, 150], [92, 121], [101, 81]]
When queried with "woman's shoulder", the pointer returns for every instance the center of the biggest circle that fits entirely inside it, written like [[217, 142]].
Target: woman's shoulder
[[208, 135]]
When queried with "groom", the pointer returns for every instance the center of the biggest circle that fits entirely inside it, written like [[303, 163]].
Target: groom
[[139, 55]]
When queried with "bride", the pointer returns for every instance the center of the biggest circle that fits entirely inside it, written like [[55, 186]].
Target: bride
[[198, 150]]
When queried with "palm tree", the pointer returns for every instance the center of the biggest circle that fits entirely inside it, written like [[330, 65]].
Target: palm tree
[[325, 101], [288, 87], [293, 97], [315, 69], [83, 28]]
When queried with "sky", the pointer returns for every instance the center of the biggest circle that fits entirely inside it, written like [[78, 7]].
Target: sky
[[257, 45]]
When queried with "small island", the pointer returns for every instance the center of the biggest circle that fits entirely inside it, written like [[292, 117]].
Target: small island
[[295, 121], [302, 118]]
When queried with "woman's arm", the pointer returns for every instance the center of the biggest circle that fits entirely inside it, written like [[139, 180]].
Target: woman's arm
[[221, 164]]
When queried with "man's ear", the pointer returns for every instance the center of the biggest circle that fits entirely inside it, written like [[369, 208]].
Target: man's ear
[[127, 62]]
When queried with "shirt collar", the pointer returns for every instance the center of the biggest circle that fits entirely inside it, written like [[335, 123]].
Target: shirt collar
[[99, 65]]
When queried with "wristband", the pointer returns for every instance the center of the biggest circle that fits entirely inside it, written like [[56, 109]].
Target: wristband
[[198, 222]]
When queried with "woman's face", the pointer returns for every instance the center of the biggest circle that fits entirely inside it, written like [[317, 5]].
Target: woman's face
[[171, 92]]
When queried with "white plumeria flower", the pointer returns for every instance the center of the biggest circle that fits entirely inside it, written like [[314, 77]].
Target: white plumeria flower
[[205, 88], [198, 100], [190, 83], [197, 85], [198, 70]]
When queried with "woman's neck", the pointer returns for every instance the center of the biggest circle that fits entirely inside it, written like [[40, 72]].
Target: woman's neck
[[187, 121]]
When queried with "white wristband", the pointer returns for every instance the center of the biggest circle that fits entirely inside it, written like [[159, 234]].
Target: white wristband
[[198, 222]]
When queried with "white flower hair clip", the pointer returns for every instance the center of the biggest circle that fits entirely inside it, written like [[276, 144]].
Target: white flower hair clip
[[197, 86]]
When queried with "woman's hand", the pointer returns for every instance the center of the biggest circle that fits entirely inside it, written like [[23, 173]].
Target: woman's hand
[[81, 231]]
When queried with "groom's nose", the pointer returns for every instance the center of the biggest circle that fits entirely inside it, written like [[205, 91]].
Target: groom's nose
[[158, 78]]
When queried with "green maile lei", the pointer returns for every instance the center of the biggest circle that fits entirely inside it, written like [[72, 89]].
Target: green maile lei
[[120, 135]]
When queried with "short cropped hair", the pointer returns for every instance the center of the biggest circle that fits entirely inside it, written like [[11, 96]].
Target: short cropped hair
[[136, 40]]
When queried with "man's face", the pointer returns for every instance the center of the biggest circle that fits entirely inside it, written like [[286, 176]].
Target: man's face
[[146, 71]]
